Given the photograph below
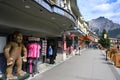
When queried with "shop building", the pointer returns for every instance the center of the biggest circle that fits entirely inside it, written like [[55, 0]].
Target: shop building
[[49, 22]]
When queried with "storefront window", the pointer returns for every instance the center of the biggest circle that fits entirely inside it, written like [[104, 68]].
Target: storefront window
[[2, 43]]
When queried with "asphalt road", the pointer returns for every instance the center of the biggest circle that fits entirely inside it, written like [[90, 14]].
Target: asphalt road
[[91, 65]]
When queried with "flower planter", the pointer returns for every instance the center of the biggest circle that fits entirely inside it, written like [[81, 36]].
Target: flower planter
[[112, 57], [117, 60], [108, 54]]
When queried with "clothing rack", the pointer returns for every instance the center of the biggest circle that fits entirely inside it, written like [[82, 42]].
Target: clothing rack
[[33, 39], [33, 60], [44, 50]]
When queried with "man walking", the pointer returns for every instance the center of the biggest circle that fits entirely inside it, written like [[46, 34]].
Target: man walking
[[79, 50]]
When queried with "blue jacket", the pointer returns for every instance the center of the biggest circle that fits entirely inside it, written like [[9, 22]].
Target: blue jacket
[[50, 51]]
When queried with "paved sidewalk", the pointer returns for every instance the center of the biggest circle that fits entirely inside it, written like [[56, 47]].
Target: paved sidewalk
[[117, 69], [91, 65], [45, 66]]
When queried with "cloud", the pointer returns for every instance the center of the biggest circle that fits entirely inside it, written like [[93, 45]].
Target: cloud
[[91, 9], [102, 8]]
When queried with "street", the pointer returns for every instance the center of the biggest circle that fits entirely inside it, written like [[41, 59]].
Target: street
[[91, 65]]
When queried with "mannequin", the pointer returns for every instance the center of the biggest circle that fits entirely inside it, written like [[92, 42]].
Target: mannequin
[[12, 52]]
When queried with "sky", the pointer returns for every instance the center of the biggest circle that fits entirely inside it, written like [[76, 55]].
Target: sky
[[92, 9]]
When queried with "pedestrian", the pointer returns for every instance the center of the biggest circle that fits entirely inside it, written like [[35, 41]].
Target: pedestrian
[[50, 53], [79, 50], [71, 50]]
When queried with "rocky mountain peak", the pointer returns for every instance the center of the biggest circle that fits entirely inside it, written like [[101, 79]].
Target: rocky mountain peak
[[101, 23]]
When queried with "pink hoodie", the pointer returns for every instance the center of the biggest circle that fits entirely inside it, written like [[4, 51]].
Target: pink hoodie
[[33, 50]]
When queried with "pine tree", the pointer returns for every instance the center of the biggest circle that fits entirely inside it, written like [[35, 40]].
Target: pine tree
[[105, 42]]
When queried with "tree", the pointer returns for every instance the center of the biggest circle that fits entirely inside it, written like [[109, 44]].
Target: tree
[[104, 40]]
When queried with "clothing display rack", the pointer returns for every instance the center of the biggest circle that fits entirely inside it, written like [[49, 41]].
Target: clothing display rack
[[44, 50], [33, 54]]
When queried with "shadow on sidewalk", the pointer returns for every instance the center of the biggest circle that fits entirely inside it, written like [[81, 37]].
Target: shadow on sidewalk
[[104, 59], [109, 63], [102, 55], [115, 72]]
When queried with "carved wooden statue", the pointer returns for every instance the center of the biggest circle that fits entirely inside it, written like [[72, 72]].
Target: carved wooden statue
[[12, 52]]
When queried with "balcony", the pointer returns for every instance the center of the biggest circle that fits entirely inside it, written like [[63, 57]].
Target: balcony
[[44, 4], [34, 17], [56, 9]]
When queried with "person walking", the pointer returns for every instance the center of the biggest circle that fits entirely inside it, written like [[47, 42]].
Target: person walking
[[79, 50]]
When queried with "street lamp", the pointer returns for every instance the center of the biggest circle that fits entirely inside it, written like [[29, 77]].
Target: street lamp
[[105, 36]]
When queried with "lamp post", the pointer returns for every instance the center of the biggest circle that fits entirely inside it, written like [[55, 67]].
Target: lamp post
[[105, 36]]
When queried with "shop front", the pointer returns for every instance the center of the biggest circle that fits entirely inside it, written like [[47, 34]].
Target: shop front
[[40, 26], [84, 41]]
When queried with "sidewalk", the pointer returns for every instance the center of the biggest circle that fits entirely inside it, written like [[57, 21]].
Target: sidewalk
[[117, 69], [91, 65], [45, 66]]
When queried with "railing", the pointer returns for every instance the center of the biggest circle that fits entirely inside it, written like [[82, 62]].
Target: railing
[[63, 12]]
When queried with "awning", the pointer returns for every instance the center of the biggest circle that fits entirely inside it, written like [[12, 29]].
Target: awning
[[76, 32], [32, 17], [81, 37], [87, 37]]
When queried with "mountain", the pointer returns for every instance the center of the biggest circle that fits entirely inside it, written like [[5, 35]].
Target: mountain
[[114, 33], [97, 25]]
